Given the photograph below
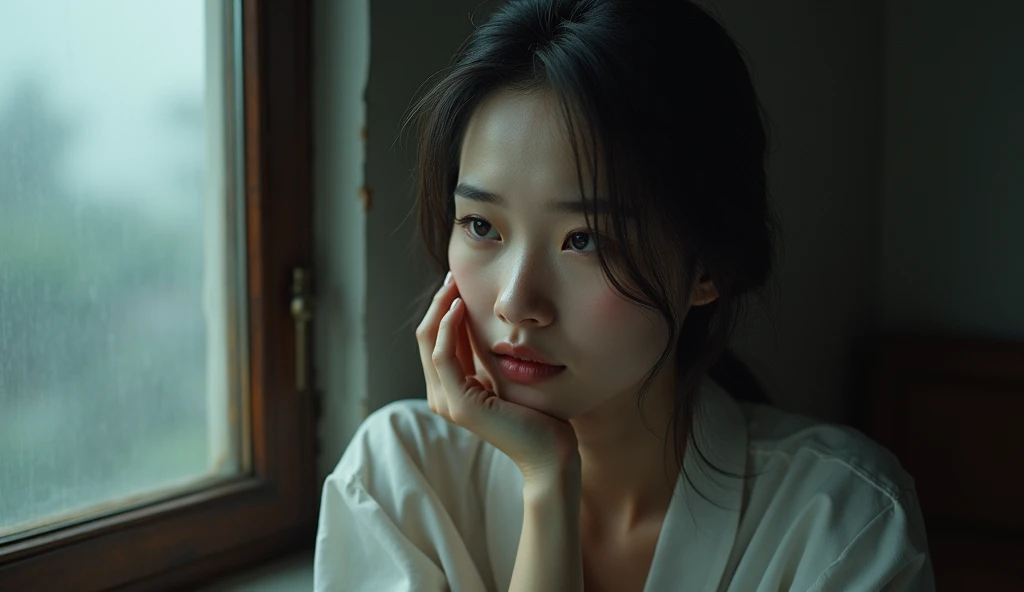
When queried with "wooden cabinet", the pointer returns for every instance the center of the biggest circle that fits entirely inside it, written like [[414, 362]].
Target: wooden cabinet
[[952, 410]]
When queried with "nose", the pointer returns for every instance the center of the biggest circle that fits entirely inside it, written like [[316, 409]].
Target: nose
[[523, 300]]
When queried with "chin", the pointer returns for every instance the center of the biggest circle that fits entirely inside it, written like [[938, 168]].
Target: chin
[[533, 397]]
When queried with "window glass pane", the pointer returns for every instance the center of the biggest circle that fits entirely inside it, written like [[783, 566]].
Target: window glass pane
[[119, 343]]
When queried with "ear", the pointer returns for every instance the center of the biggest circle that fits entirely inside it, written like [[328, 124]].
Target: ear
[[704, 291]]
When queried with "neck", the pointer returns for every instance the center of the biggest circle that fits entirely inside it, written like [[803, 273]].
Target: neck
[[628, 472]]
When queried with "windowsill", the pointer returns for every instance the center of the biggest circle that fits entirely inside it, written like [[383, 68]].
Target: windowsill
[[290, 573]]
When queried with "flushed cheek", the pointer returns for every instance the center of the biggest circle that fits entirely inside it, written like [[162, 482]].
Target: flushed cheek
[[617, 332], [473, 289]]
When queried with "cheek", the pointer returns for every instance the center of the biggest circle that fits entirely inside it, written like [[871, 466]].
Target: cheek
[[471, 280], [609, 314], [608, 308], [616, 326]]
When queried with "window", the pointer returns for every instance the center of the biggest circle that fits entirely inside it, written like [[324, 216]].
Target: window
[[153, 430]]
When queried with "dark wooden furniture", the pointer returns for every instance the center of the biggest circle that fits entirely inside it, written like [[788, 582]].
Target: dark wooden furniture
[[952, 410]]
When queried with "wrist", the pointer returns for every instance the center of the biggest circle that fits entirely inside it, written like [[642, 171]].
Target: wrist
[[559, 483]]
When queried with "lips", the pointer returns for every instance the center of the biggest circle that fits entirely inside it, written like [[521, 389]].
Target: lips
[[523, 352], [529, 373]]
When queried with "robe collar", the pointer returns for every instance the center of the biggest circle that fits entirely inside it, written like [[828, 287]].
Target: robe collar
[[698, 534]]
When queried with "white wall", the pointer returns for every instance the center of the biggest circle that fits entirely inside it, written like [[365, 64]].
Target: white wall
[[410, 41], [341, 61], [369, 59]]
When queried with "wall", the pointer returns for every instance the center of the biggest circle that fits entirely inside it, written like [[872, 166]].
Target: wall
[[369, 61], [410, 41], [817, 68], [341, 62], [951, 250]]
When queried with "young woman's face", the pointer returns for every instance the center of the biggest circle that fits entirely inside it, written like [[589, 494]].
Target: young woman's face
[[527, 269]]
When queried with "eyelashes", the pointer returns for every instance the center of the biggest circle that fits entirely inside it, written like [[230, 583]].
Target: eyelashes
[[469, 224]]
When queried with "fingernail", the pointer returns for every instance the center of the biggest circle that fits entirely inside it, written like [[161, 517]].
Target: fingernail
[[448, 278], [454, 302]]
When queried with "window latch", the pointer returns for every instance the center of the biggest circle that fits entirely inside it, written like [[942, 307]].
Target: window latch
[[302, 312]]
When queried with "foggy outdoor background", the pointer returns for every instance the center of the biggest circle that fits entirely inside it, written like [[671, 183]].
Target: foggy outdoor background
[[102, 172]]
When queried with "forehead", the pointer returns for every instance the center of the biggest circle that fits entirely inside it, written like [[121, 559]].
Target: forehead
[[517, 143]]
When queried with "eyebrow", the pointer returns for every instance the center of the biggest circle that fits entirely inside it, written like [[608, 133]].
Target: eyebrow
[[564, 207]]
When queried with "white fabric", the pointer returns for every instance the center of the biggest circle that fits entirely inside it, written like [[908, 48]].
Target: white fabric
[[419, 504]]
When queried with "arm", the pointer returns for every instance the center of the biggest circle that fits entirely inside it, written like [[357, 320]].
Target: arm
[[550, 555], [360, 547], [384, 522]]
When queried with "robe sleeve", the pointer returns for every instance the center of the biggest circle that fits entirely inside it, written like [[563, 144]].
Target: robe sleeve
[[889, 554], [401, 512], [359, 547]]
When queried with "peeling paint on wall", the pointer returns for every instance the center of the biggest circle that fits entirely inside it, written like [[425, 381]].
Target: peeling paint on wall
[[366, 197]]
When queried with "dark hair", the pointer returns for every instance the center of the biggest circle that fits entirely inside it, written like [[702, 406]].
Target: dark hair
[[664, 106]]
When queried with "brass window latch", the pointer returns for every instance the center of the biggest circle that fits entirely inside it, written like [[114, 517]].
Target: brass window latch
[[302, 313]]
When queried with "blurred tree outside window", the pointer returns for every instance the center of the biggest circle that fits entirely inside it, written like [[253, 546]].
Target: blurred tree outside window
[[120, 369]]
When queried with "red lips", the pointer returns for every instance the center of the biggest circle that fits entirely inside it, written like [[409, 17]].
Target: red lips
[[523, 364], [523, 352]]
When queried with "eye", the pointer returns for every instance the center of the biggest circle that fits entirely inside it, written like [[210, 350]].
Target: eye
[[582, 242], [476, 228]]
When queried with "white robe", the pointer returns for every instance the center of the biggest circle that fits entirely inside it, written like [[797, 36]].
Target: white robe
[[419, 504]]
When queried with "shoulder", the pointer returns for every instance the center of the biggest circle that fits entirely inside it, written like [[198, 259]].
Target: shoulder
[[827, 504], [402, 509], [783, 441], [404, 437], [411, 422]]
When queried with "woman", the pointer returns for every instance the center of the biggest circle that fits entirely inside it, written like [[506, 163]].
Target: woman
[[591, 177]]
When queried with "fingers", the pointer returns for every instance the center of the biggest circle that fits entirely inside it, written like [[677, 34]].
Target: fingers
[[445, 358], [426, 335], [426, 332], [463, 349]]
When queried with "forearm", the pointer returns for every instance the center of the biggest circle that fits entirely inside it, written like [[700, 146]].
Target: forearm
[[550, 555]]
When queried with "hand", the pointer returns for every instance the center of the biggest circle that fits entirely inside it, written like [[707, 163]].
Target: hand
[[539, 444]]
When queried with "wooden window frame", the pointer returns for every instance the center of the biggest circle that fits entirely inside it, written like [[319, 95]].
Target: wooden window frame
[[272, 510]]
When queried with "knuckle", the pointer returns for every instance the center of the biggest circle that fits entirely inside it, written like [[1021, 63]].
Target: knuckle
[[437, 357]]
